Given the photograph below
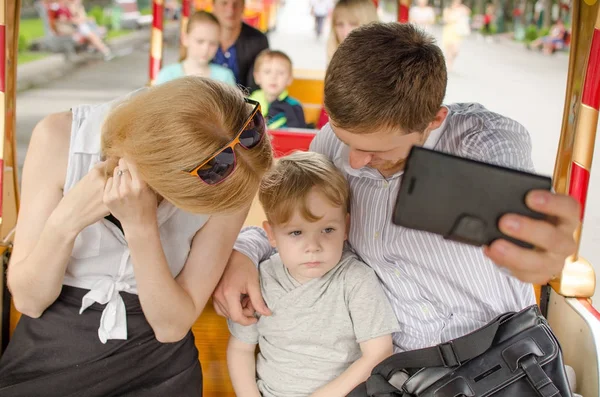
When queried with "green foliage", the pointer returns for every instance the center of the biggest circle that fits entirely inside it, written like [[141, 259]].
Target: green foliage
[[531, 33], [23, 43], [97, 13]]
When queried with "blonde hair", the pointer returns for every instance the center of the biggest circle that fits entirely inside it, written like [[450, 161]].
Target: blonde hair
[[363, 11], [196, 18], [271, 54], [171, 128], [285, 187]]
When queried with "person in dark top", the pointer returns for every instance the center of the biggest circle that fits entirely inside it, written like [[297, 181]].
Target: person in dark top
[[273, 73], [240, 43]]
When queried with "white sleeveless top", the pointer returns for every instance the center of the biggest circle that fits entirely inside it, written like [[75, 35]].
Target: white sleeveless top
[[100, 260]]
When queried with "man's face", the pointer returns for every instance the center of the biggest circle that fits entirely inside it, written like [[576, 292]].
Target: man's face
[[229, 12], [384, 150]]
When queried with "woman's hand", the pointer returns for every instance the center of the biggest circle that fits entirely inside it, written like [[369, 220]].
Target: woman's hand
[[129, 198], [83, 204]]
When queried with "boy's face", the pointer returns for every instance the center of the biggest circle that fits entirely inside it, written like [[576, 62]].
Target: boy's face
[[311, 249], [273, 76]]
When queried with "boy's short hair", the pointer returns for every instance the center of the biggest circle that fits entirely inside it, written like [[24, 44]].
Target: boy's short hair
[[286, 185], [385, 76], [271, 54]]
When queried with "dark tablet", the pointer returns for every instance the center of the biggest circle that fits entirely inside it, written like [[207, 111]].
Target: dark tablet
[[462, 199]]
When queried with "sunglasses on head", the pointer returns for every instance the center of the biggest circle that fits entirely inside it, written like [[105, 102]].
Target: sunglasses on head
[[217, 167]]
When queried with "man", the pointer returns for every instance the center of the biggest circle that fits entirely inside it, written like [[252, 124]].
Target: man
[[383, 92], [240, 43]]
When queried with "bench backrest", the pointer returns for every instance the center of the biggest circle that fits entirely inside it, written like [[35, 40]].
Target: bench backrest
[[307, 88]]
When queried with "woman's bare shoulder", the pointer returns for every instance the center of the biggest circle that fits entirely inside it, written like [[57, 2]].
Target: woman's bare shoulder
[[49, 145]]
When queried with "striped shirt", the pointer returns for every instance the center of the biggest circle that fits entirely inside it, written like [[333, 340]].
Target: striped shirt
[[439, 289]]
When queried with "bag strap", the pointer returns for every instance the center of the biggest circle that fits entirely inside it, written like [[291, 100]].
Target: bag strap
[[538, 378], [449, 354]]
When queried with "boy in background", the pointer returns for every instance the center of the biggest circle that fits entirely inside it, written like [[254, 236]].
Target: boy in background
[[273, 74]]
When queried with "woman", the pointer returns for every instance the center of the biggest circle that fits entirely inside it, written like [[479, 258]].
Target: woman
[[112, 267], [456, 27], [422, 15], [347, 15]]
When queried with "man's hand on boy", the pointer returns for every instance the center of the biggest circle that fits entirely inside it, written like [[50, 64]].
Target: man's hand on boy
[[554, 241], [238, 294]]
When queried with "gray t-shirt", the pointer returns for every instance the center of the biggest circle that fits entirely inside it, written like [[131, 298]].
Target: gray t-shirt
[[314, 332]]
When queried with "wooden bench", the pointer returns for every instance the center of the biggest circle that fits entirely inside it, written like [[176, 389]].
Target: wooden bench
[[307, 87]]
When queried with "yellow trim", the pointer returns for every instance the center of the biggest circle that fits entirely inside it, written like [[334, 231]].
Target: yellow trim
[[585, 135], [156, 43], [577, 280]]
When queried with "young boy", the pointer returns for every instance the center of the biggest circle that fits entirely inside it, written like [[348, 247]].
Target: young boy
[[331, 321], [273, 74]]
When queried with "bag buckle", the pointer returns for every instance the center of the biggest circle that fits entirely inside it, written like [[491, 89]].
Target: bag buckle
[[448, 355]]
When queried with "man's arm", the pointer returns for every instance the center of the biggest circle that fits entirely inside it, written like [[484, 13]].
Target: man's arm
[[253, 243], [241, 278], [325, 142], [505, 142]]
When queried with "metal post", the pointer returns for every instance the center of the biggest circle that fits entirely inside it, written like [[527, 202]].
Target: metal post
[[587, 121], [185, 17], [156, 39], [9, 33], [403, 9], [576, 146]]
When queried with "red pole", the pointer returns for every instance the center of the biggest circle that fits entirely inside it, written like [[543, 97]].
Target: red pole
[[156, 39], [403, 9], [585, 136]]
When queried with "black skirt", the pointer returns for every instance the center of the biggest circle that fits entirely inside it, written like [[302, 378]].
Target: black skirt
[[60, 354]]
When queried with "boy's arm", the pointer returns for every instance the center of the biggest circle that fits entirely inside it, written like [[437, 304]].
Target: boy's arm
[[373, 351], [242, 368], [374, 322]]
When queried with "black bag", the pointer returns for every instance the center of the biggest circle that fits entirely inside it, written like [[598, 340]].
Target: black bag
[[515, 355]]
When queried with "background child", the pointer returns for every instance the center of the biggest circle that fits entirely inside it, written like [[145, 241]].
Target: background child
[[331, 322], [273, 74], [201, 41], [347, 15], [320, 9]]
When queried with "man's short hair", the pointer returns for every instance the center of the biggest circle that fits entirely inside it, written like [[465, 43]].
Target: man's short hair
[[284, 189], [385, 76], [271, 54]]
